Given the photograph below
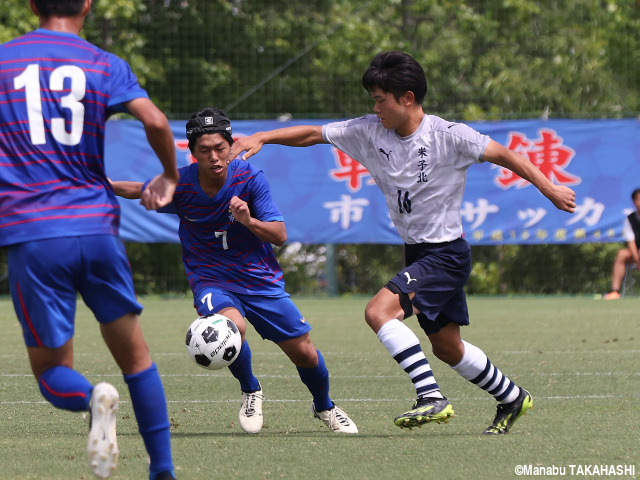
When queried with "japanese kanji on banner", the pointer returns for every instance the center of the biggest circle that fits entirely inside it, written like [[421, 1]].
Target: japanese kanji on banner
[[327, 197]]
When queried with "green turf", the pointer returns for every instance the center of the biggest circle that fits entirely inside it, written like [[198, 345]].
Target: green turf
[[579, 357]]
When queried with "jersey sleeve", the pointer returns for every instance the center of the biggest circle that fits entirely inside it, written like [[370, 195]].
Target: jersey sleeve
[[125, 85], [468, 144], [350, 136], [262, 205]]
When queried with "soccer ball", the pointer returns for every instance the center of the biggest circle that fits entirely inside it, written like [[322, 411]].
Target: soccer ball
[[213, 341]]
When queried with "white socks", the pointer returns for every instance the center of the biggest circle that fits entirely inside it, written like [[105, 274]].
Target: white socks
[[478, 369], [404, 347]]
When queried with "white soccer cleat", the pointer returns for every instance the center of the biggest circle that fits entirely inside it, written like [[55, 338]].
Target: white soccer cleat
[[336, 420], [102, 445], [250, 415]]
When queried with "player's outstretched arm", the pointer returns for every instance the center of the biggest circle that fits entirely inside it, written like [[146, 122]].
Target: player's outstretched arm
[[125, 189], [298, 136], [133, 190], [160, 190], [562, 197]]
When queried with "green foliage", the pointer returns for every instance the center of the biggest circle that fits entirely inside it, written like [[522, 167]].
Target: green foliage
[[485, 60], [157, 269], [560, 269], [15, 19], [542, 269], [303, 267], [364, 269], [507, 269], [114, 25], [360, 269]]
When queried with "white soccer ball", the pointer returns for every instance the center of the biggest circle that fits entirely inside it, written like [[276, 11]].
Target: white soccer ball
[[213, 342]]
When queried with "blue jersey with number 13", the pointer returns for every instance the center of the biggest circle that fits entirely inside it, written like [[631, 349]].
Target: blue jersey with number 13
[[56, 93]]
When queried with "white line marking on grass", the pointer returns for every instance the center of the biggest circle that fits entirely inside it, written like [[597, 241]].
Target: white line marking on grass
[[341, 400], [354, 353], [221, 375], [564, 352]]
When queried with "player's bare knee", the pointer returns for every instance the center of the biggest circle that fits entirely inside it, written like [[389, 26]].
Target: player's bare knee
[[303, 358], [372, 317], [376, 317], [300, 351], [449, 353], [389, 303], [306, 363]]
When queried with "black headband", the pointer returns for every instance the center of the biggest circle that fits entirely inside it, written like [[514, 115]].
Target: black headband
[[210, 124]]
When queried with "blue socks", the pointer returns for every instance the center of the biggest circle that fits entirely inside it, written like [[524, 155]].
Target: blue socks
[[65, 388], [241, 369], [150, 407], [317, 381]]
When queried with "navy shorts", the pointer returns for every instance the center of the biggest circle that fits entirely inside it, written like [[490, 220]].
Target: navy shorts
[[275, 318], [437, 273], [45, 277]]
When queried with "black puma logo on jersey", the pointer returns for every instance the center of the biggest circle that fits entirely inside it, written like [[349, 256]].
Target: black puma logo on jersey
[[385, 153]]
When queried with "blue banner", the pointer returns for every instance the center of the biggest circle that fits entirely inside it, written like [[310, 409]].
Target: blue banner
[[327, 197]]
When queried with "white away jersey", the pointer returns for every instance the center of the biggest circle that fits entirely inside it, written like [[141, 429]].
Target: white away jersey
[[422, 176]]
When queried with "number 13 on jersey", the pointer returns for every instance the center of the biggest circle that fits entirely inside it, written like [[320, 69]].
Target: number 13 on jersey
[[29, 80]]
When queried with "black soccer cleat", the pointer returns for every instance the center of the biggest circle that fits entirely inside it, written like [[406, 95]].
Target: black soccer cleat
[[425, 410], [508, 413]]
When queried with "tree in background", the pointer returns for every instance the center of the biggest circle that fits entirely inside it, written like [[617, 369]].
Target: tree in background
[[485, 59]]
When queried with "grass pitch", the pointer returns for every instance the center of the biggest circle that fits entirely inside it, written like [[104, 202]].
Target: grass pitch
[[579, 357]]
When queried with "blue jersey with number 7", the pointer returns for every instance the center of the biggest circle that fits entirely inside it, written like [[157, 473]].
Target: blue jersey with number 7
[[217, 250], [56, 92]]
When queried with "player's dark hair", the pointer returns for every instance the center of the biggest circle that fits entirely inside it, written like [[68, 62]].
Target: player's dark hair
[[634, 194], [207, 121], [396, 73], [59, 8]]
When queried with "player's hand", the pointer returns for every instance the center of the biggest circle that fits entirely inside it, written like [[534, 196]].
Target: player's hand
[[240, 210], [159, 192], [564, 198], [250, 144]]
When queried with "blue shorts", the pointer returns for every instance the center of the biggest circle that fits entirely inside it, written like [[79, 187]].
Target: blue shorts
[[437, 273], [274, 318], [45, 277]]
